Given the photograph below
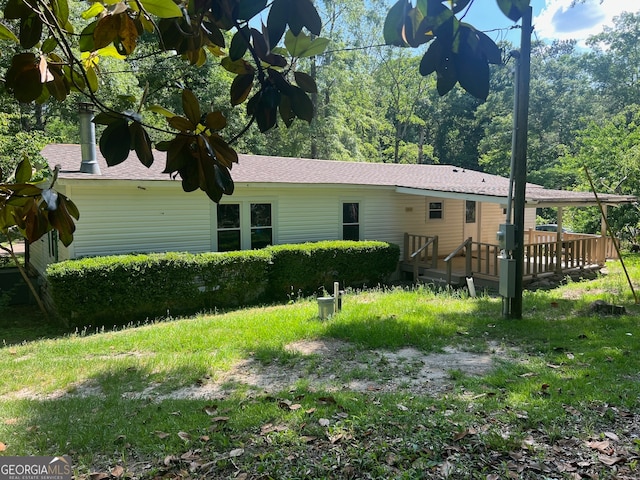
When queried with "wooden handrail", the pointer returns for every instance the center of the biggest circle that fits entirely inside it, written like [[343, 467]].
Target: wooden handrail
[[455, 253], [447, 260], [424, 247]]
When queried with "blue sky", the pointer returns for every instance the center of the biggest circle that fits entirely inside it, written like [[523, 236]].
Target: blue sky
[[552, 19]]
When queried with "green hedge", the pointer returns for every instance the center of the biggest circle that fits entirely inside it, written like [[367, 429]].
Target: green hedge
[[120, 289], [308, 268]]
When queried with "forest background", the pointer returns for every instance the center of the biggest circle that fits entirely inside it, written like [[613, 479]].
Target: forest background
[[372, 105]]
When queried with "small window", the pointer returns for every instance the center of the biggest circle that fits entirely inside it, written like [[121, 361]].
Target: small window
[[228, 227], [351, 221], [261, 225], [470, 212], [435, 210]]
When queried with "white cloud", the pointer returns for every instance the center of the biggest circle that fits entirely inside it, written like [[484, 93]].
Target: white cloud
[[558, 20]]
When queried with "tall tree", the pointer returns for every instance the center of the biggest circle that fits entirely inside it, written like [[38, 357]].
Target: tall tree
[[614, 63]]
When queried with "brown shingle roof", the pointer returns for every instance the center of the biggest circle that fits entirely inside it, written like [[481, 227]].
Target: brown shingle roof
[[268, 169]]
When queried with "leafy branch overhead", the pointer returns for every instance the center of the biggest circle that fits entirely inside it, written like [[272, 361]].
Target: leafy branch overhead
[[35, 208], [46, 65], [457, 51]]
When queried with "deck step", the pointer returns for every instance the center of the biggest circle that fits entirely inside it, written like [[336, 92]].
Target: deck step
[[439, 277]]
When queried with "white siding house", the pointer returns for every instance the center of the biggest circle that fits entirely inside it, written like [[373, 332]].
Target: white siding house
[[129, 208]]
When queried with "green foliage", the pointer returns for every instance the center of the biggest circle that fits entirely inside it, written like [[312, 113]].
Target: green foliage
[[105, 290], [311, 267], [133, 287], [457, 52]]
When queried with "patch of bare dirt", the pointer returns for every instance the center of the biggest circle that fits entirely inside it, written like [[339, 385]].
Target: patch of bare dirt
[[333, 365]]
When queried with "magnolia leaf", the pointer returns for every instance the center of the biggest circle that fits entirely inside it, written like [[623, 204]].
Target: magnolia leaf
[[239, 44], [184, 436], [394, 23], [23, 171], [181, 123], [191, 106], [86, 43], [239, 67], [306, 82], [215, 120], [301, 104], [7, 34], [460, 5], [318, 46], [92, 78], [60, 219], [241, 88], [61, 11], [226, 155], [488, 47], [110, 51], [24, 81], [247, 9], [473, 73], [161, 110], [296, 43], [514, 9], [141, 143], [45, 74], [304, 14], [286, 112], [115, 142], [93, 11], [277, 20], [237, 452], [49, 45], [128, 34], [30, 31], [15, 9], [224, 180], [106, 31], [162, 8]]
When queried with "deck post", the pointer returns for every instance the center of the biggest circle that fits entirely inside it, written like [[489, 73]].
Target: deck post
[[406, 247], [559, 241], [434, 259], [468, 254]]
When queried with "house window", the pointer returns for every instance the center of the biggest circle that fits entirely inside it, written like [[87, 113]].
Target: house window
[[470, 212], [351, 221], [261, 225], [435, 210], [229, 227]]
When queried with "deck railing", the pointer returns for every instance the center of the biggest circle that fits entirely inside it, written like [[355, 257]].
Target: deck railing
[[421, 251], [543, 253], [480, 258]]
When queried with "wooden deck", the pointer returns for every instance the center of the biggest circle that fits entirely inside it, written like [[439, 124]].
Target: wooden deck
[[544, 254]]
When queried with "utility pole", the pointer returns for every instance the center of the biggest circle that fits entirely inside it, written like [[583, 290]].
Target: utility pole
[[512, 236], [520, 175]]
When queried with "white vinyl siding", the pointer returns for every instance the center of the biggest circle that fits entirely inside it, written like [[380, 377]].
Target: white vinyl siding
[[121, 220]]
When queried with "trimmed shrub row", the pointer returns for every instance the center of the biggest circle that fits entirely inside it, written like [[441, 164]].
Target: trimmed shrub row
[[116, 290]]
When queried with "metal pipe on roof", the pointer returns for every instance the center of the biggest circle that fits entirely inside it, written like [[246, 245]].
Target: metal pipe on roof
[[88, 140]]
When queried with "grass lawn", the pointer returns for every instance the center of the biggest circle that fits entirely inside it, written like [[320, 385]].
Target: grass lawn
[[400, 384]]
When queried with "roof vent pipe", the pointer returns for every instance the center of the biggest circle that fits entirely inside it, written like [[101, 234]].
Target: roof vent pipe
[[88, 140]]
